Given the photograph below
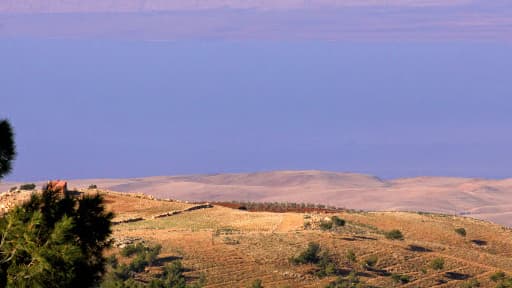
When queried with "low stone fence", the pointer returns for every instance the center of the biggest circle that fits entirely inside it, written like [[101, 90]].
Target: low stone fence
[[166, 214], [175, 212], [129, 220]]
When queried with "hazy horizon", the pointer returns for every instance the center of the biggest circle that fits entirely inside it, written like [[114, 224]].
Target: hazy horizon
[[259, 20], [7, 180]]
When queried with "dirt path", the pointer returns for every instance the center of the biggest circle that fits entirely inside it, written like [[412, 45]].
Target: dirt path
[[290, 222]]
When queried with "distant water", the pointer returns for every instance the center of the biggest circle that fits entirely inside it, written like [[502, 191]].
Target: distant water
[[120, 108]]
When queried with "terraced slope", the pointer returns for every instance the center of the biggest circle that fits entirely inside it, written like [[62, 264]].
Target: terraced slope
[[233, 247]]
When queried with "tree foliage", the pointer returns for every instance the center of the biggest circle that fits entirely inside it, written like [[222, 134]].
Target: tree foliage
[[128, 275], [461, 231], [54, 241], [308, 256], [349, 281], [257, 284], [498, 276], [437, 264], [394, 234], [337, 221], [314, 254], [370, 262], [7, 148], [28, 186]]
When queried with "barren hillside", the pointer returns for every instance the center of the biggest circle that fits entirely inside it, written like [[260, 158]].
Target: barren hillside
[[478, 198], [232, 248]]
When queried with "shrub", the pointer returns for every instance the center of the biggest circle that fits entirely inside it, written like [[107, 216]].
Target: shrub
[[326, 225], [144, 256], [370, 262], [350, 281], [403, 279], [28, 186], [257, 284], [92, 186], [132, 249], [12, 189], [498, 276], [506, 283], [461, 232], [351, 256], [472, 283], [172, 276], [112, 261], [437, 264], [309, 256], [138, 264], [326, 266], [337, 221], [314, 255], [230, 241], [394, 234], [152, 253], [125, 276]]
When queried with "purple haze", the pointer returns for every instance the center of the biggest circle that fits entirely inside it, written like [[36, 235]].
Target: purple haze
[[398, 90]]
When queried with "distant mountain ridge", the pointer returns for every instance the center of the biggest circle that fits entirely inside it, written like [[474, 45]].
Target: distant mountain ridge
[[162, 20], [123, 6], [479, 198]]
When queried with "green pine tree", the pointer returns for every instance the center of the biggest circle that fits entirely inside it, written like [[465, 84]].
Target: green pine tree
[[54, 241], [7, 148]]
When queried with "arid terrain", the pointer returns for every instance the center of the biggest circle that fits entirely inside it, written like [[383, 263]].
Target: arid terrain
[[478, 198], [233, 247]]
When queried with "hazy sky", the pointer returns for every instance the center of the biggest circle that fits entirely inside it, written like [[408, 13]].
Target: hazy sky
[[394, 91]]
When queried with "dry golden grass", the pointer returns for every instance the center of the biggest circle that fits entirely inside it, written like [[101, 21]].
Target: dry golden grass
[[127, 206], [233, 248]]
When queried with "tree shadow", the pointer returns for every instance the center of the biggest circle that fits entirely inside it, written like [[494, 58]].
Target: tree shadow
[[191, 278], [364, 237], [416, 248], [168, 259], [365, 274], [348, 239], [379, 272], [456, 276], [479, 242]]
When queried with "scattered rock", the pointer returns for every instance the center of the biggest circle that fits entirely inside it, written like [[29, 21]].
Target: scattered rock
[[125, 241], [166, 214]]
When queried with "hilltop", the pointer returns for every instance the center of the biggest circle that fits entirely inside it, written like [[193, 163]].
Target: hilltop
[[232, 247], [478, 198]]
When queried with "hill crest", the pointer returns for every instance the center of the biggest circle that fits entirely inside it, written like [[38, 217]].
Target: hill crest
[[479, 198]]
